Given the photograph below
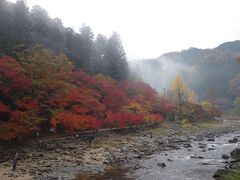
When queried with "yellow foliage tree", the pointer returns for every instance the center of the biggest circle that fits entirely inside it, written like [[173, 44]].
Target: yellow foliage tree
[[180, 91], [133, 107]]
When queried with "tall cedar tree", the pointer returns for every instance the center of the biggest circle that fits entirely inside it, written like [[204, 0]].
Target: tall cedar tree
[[115, 58]]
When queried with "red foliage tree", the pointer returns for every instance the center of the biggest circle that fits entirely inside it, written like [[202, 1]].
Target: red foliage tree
[[164, 107], [80, 101], [13, 79], [4, 108], [121, 119], [18, 112], [214, 112], [73, 122], [138, 88]]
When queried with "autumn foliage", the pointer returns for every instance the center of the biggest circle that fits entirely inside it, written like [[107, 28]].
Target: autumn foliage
[[42, 90], [72, 122]]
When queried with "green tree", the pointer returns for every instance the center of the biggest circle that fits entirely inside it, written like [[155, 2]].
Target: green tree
[[40, 25], [22, 26], [6, 28], [87, 58], [21, 29], [100, 45], [115, 58]]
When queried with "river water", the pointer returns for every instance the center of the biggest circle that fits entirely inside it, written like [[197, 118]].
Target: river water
[[193, 163]]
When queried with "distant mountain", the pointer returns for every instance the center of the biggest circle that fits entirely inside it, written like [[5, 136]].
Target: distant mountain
[[206, 71], [231, 47]]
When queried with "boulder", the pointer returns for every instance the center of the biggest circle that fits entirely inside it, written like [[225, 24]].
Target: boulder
[[161, 165], [235, 154], [224, 156], [234, 140], [211, 139], [202, 146]]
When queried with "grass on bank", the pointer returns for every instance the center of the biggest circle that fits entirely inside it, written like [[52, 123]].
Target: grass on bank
[[232, 174]]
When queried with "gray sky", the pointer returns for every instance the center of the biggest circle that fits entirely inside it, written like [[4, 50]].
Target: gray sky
[[149, 28]]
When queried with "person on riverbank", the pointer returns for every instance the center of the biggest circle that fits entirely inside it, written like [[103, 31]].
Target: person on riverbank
[[15, 159]]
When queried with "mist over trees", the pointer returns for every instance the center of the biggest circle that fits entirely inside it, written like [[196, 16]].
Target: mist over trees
[[22, 28], [213, 74]]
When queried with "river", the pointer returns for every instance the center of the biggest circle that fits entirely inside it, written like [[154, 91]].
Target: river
[[198, 162]]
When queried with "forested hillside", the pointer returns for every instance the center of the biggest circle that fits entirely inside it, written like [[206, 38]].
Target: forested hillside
[[44, 90], [213, 74], [22, 28], [54, 78]]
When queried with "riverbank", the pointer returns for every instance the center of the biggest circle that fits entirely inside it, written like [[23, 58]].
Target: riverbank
[[232, 173], [233, 170], [67, 157]]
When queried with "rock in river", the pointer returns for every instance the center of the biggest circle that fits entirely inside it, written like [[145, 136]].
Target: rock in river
[[234, 140], [196, 157], [161, 165], [211, 139], [224, 156]]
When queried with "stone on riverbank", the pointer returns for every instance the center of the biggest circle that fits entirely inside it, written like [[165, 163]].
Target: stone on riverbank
[[235, 154]]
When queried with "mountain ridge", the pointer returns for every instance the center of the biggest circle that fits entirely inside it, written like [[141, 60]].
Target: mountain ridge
[[229, 46]]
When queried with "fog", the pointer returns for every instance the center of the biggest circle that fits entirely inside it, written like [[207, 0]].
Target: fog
[[159, 73], [149, 28]]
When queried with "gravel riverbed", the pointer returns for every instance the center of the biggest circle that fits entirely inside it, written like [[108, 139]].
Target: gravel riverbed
[[106, 155]]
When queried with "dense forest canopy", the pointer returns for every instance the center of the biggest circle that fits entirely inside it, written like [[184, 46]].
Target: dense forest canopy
[[43, 90], [23, 28]]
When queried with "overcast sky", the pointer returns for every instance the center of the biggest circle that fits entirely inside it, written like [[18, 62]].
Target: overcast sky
[[149, 28]]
